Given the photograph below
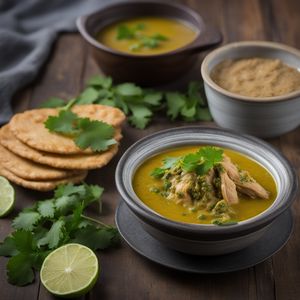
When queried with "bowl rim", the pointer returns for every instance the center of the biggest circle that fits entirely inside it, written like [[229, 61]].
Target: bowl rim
[[200, 229], [263, 44], [81, 25]]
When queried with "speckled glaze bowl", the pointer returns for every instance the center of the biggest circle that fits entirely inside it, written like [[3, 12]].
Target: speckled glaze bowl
[[196, 238], [262, 117]]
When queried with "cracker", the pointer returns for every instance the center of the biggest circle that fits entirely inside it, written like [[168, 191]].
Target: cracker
[[40, 185], [30, 170], [78, 161], [30, 129]]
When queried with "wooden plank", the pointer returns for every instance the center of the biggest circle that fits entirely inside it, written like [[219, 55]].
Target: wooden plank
[[23, 199], [243, 20], [286, 263], [62, 74]]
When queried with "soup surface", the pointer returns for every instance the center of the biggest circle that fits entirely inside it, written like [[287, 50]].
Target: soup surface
[[151, 190], [147, 35], [256, 77]]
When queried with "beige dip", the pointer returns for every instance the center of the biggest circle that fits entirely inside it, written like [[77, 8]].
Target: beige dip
[[256, 77]]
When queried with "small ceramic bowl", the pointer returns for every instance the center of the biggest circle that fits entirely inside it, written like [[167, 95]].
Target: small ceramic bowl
[[196, 238], [146, 69], [262, 117]]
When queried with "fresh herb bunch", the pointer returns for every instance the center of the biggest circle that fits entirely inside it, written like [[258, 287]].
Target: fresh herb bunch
[[125, 32], [50, 224], [141, 104], [200, 162], [86, 133]]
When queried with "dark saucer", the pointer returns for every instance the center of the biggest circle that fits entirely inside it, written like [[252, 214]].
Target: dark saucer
[[138, 239]]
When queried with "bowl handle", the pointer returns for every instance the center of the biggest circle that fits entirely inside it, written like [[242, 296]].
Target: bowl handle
[[207, 39]]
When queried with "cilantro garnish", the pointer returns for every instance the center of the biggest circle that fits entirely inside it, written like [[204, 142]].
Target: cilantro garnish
[[140, 104], [50, 224], [125, 32], [86, 133], [199, 162]]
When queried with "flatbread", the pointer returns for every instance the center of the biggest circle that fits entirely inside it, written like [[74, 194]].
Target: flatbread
[[40, 185], [30, 170], [29, 127], [78, 161]]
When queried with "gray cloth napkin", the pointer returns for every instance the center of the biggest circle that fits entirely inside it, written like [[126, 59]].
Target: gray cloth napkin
[[27, 30]]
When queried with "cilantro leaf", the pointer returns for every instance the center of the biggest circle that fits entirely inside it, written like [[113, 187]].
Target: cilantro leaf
[[124, 32], [26, 220], [158, 173], [175, 102], [188, 111], [19, 269], [159, 37], [95, 134], [53, 102], [87, 133], [46, 208], [100, 81], [63, 123], [8, 247], [153, 98], [140, 115], [203, 114], [69, 189], [211, 156], [195, 92], [96, 238], [128, 89], [88, 96], [64, 204], [168, 163], [53, 236], [191, 161], [24, 241]]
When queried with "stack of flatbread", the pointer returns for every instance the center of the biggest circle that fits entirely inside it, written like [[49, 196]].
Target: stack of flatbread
[[35, 158]]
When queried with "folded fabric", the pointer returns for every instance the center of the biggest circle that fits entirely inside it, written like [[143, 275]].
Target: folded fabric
[[27, 30]]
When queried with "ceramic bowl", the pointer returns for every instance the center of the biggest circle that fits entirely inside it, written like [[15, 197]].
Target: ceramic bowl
[[196, 238], [146, 69], [262, 117]]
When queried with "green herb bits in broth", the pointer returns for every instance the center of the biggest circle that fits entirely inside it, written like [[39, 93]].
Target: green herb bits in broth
[[204, 185], [147, 35]]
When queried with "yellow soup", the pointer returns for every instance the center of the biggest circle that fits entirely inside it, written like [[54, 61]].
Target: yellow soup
[[247, 207], [147, 35]]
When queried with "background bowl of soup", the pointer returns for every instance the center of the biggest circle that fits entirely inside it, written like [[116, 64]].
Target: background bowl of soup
[[187, 235], [254, 87], [147, 42]]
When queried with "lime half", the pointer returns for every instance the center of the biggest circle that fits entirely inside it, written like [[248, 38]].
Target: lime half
[[70, 271], [7, 197]]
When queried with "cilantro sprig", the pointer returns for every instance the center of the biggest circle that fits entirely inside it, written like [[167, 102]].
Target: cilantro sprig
[[136, 33], [50, 224], [86, 133], [199, 162], [140, 105]]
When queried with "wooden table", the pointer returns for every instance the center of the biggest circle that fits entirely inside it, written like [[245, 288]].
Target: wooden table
[[125, 274]]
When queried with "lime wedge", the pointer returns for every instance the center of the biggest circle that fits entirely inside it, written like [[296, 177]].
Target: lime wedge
[[70, 271], [7, 197]]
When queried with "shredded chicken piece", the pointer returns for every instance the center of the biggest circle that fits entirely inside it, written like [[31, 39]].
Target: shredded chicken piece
[[182, 187], [248, 186], [228, 189]]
